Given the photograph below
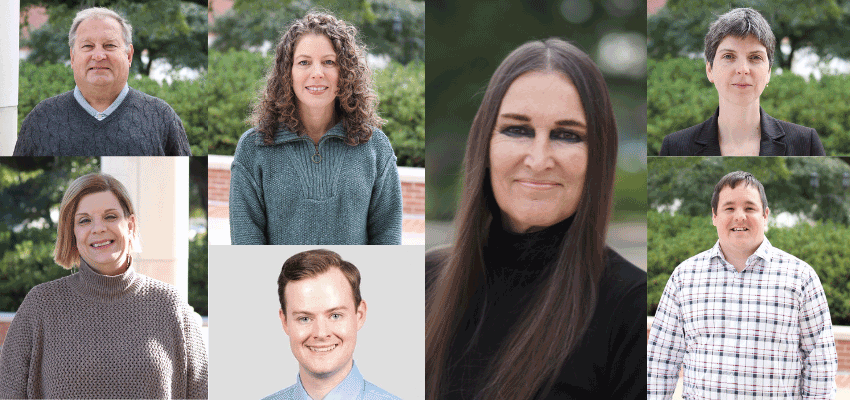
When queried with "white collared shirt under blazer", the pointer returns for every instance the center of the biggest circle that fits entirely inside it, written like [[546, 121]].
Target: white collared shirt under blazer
[[762, 333]]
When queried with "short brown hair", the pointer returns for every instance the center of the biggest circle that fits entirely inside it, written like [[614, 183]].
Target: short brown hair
[[311, 263], [65, 253], [731, 180]]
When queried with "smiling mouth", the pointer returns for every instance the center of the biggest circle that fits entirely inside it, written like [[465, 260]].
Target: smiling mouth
[[538, 185], [321, 349], [102, 244], [316, 89], [739, 229]]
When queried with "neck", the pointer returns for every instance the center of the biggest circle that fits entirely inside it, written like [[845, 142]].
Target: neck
[[318, 386], [737, 124], [737, 257], [100, 99], [317, 122]]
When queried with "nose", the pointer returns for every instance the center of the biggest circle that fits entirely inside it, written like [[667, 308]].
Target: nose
[[742, 67], [739, 215], [539, 156], [97, 225], [320, 328], [316, 70]]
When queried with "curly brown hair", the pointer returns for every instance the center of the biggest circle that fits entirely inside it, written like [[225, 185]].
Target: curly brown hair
[[356, 102]]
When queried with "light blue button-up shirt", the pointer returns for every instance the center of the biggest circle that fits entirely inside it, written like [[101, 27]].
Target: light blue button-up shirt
[[97, 114], [353, 387]]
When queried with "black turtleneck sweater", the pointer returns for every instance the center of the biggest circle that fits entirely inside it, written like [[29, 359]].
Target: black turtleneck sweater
[[610, 361]]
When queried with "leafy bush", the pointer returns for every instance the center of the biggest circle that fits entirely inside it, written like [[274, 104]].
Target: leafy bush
[[679, 96], [237, 76], [198, 287], [673, 239], [187, 98]]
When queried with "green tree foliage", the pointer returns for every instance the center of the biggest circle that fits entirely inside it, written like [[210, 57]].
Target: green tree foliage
[[171, 30], [680, 95], [680, 27], [198, 282], [673, 239], [30, 188], [395, 28], [787, 182], [236, 77], [188, 98]]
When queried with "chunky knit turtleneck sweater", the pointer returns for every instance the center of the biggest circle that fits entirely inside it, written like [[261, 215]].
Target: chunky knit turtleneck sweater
[[298, 192], [609, 362], [94, 336], [142, 125]]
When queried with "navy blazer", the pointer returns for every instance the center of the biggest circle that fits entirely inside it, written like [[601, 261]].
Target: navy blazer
[[778, 138]]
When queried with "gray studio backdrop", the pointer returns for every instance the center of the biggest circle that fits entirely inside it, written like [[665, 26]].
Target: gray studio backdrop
[[250, 356]]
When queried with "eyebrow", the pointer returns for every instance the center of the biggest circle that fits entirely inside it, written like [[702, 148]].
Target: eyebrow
[[733, 203], [328, 311], [308, 56], [733, 51], [105, 211], [563, 122]]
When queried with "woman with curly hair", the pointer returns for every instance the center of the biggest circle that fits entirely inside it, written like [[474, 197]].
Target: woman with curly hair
[[316, 168]]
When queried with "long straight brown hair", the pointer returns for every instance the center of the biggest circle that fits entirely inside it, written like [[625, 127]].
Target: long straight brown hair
[[559, 314]]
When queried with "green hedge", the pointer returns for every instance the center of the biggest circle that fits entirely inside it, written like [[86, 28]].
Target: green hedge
[[237, 76], [679, 96], [198, 285], [188, 98], [673, 239]]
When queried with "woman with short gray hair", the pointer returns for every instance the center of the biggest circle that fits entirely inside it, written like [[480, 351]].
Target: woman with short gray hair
[[739, 49]]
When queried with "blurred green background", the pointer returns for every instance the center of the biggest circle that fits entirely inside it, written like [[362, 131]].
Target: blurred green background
[[809, 201], [468, 40], [808, 82]]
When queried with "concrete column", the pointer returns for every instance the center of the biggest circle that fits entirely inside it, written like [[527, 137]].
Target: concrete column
[[159, 189], [10, 14]]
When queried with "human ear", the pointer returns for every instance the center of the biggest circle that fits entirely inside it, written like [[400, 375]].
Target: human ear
[[282, 316], [361, 314], [708, 71]]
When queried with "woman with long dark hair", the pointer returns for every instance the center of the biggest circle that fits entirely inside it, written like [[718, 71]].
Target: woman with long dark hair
[[529, 302]]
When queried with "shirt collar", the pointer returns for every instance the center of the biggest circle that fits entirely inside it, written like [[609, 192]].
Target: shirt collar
[[283, 135], [351, 388], [763, 251], [97, 114]]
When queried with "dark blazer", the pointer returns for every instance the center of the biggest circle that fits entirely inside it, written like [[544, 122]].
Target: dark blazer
[[778, 138]]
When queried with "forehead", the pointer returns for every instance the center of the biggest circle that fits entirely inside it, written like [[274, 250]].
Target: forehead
[[312, 44], [99, 28], [98, 201], [748, 44], [742, 193], [321, 292], [545, 96]]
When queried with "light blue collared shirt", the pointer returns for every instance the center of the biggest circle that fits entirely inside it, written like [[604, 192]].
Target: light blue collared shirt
[[353, 387], [97, 114]]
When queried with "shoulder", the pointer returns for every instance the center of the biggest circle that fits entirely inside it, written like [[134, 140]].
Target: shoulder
[[679, 143], [285, 394], [53, 104], [792, 264], [622, 279], [148, 102], [692, 265], [46, 293], [248, 143], [375, 393], [379, 144], [162, 295], [800, 140]]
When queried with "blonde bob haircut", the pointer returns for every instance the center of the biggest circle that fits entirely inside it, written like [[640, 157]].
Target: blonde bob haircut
[[65, 253]]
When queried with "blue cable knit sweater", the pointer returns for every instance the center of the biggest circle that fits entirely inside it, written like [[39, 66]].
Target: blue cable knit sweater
[[295, 192]]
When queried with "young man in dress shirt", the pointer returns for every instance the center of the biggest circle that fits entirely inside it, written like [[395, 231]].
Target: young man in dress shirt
[[102, 116], [321, 311], [746, 319]]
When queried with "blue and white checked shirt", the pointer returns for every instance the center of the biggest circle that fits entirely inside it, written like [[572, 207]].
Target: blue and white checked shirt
[[761, 333], [353, 387]]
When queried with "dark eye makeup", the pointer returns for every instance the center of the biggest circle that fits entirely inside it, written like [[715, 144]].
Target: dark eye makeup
[[560, 134]]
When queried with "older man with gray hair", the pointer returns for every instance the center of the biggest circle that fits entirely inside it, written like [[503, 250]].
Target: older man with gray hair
[[102, 116]]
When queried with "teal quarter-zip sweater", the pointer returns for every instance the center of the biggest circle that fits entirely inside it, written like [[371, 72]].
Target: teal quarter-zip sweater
[[297, 192]]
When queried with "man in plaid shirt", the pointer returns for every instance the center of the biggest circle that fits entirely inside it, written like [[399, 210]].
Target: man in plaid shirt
[[745, 319]]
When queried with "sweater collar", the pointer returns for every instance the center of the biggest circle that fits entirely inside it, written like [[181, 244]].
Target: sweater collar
[[285, 136], [508, 252], [103, 288]]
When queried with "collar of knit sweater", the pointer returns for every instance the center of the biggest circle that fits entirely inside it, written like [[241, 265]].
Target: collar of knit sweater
[[522, 256], [284, 136], [103, 288]]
